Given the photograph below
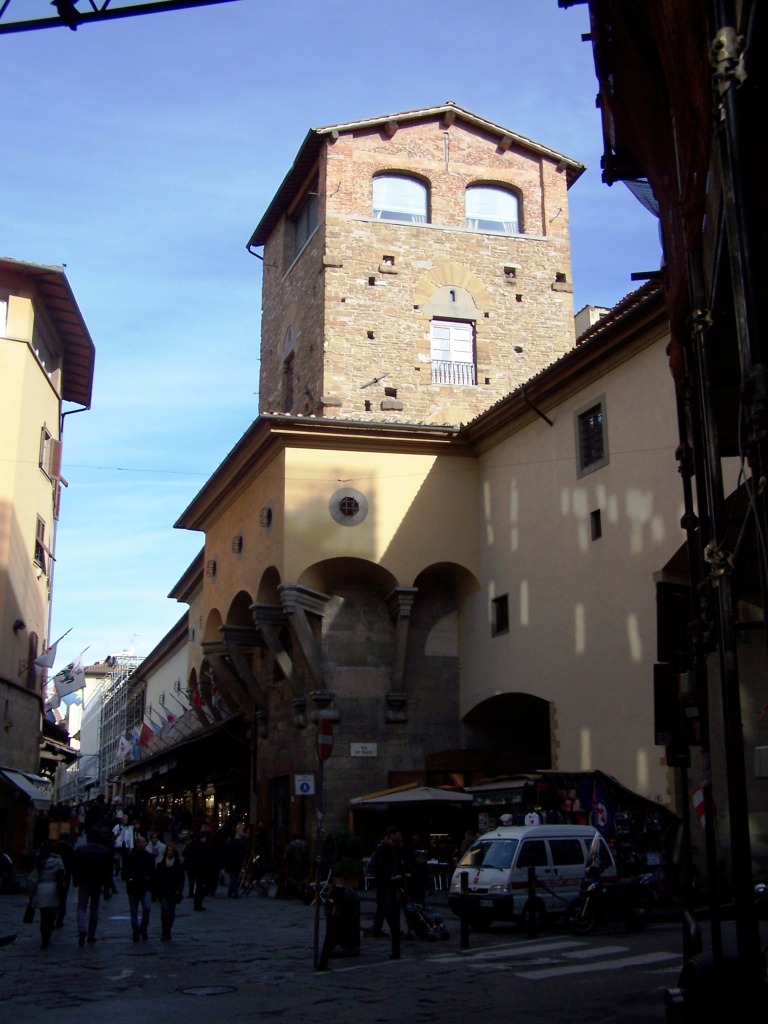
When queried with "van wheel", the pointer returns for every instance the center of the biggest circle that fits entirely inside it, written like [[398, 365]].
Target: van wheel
[[540, 915]]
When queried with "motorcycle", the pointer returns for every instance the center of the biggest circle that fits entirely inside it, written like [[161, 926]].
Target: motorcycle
[[628, 900]]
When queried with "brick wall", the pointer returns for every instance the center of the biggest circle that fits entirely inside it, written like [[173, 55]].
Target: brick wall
[[360, 297]]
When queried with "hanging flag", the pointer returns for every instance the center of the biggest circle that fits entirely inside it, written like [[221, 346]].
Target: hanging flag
[[170, 720], [135, 734], [215, 695], [197, 700], [153, 726], [52, 700], [145, 735], [123, 748], [47, 658], [70, 678]]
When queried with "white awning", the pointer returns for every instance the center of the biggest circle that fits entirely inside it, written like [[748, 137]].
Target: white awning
[[24, 783]]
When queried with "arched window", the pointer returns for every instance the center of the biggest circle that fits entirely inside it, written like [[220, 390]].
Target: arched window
[[490, 208], [398, 197]]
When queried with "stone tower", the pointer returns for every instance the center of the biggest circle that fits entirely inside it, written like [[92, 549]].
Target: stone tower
[[416, 269]]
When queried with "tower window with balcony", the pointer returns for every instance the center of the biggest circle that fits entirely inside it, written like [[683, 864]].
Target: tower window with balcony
[[489, 208], [398, 197], [453, 352]]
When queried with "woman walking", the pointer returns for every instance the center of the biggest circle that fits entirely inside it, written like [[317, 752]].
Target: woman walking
[[169, 888], [47, 884]]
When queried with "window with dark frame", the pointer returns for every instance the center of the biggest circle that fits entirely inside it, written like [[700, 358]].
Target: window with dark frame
[[305, 220], [41, 552], [596, 524], [288, 373], [500, 615], [592, 448]]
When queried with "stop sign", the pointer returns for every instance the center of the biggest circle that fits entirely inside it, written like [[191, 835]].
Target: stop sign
[[324, 739]]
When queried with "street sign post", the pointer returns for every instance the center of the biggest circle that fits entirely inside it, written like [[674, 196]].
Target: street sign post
[[324, 750]]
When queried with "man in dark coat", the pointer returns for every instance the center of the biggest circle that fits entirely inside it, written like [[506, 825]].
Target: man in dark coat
[[389, 871], [92, 876], [199, 864], [139, 869]]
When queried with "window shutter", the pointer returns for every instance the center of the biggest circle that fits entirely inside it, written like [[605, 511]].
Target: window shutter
[[54, 462]]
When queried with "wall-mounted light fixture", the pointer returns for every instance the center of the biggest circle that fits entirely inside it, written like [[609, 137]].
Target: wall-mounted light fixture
[[265, 516], [237, 544], [210, 568], [18, 625]]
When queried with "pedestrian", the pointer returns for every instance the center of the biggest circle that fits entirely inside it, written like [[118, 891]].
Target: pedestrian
[[387, 865], [169, 888], [63, 848], [92, 876], [235, 851], [139, 868], [46, 884], [124, 838], [296, 865], [199, 863], [156, 847]]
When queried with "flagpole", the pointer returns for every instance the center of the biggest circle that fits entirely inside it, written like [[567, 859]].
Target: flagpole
[[182, 706], [62, 636]]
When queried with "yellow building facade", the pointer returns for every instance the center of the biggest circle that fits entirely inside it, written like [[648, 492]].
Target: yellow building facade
[[46, 359]]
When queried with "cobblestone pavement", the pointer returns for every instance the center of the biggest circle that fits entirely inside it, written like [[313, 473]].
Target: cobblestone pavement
[[248, 955]]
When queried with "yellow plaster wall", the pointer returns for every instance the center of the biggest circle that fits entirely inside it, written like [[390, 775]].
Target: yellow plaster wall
[[421, 510]]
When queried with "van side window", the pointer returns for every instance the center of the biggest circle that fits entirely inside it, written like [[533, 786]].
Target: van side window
[[533, 854], [566, 851]]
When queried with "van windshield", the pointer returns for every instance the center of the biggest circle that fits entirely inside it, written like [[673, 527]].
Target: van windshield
[[490, 853]]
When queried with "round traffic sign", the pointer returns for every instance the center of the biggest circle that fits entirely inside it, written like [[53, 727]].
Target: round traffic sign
[[324, 739]]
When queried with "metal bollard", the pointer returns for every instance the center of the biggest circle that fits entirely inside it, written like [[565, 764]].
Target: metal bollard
[[464, 916], [531, 901], [394, 924]]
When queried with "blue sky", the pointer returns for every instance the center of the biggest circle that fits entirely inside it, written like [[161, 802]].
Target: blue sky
[[141, 153]]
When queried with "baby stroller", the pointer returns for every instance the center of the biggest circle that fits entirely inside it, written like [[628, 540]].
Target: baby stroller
[[423, 922]]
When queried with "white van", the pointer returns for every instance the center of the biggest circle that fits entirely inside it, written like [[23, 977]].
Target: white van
[[497, 866]]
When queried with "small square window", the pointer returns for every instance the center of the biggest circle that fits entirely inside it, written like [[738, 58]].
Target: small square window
[[591, 438], [500, 615]]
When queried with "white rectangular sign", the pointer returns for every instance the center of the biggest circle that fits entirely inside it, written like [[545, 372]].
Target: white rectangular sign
[[304, 785], [363, 750]]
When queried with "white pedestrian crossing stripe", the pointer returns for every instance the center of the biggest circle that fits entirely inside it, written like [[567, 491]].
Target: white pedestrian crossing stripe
[[542, 959]]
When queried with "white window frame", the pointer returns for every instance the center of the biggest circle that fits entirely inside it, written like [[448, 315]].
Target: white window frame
[[400, 197], [452, 351], [492, 208]]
